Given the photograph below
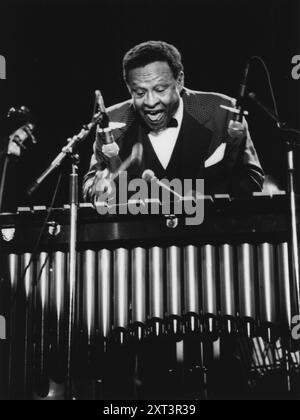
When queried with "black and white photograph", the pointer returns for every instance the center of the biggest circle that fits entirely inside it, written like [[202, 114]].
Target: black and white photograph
[[149, 202]]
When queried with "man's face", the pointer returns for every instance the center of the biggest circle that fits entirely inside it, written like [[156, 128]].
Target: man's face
[[155, 93]]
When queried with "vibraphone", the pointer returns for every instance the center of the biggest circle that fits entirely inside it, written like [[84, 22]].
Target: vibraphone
[[158, 303]]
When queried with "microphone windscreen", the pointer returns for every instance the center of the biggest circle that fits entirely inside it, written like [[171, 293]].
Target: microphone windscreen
[[104, 123], [148, 175], [236, 129], [100, 101]]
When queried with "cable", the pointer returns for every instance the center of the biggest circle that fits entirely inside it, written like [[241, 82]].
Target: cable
[[262, 62]]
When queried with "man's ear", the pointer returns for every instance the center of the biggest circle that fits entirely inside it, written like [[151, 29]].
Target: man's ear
[[180, 81]]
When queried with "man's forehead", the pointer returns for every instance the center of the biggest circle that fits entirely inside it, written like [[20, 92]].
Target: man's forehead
[[158, 70]]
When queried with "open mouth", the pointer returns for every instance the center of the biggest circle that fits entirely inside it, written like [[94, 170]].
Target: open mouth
[[154, 116]]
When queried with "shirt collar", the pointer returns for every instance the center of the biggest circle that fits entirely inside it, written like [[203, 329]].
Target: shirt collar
[[179, 113]]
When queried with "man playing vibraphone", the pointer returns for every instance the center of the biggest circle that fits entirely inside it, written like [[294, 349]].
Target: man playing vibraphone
[[184, 133]]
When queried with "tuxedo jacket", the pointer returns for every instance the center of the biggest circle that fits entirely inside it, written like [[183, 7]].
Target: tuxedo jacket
[[204, 149]]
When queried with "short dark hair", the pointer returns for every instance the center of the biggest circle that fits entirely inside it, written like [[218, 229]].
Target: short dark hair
[[150, 51]]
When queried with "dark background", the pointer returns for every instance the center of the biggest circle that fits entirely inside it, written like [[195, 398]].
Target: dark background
[[59, 52]]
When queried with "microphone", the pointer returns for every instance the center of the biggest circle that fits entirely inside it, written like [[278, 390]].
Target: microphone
[[241, 96], [103, 124], [21, 111], [149, 176], [104, 131], [236, 128], [20, 136], [24, 132]]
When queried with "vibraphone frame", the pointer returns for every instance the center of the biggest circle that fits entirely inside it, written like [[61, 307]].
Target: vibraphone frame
[[227, 277]]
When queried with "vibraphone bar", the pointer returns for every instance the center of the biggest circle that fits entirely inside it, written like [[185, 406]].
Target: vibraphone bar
[[156, 303]]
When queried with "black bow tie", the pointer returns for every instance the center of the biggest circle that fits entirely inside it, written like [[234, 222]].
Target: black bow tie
[[172, 123]]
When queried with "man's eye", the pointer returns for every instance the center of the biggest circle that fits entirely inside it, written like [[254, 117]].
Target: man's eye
[[161, 89], [139, 93]]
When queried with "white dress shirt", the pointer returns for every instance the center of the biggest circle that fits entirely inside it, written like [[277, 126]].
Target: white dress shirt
[[164, 141]]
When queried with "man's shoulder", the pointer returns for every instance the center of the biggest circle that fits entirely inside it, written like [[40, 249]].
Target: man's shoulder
[[207, 98], [121, 112], [205, 106]]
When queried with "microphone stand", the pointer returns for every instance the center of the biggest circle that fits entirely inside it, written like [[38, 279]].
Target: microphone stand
[[293, 243], [3, 180], [74, 204]]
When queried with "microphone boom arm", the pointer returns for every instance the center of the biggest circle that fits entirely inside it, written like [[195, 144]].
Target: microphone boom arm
[[66, 151], [280, 124]]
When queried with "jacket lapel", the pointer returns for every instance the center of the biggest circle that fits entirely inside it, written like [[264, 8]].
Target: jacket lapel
[[196, 139]]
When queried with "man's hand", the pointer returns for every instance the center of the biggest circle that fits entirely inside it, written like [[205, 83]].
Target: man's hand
[[103, 186], [110, 150]]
